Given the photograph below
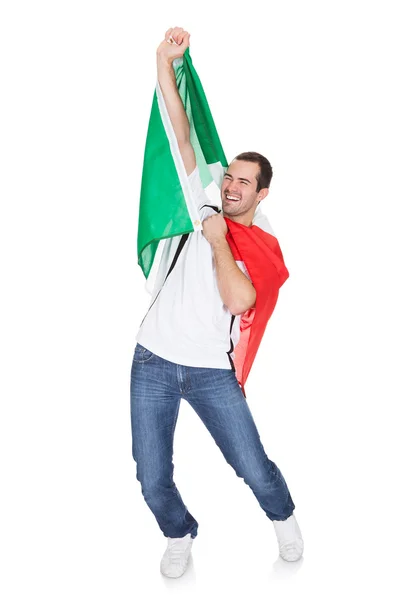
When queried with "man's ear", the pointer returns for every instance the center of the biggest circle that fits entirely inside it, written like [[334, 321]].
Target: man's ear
[[263, 193]]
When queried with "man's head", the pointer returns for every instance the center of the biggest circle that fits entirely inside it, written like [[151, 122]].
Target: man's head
[[246, 181]]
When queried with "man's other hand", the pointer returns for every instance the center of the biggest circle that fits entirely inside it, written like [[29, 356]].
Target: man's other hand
[[215, 228], [174, 45]]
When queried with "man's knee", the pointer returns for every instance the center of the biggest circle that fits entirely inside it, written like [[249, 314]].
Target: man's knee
[[259, 473]]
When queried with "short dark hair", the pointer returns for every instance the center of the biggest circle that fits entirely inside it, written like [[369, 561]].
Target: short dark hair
[[264, 175]]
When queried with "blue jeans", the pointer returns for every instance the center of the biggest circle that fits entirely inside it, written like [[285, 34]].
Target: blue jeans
[[157, 386]]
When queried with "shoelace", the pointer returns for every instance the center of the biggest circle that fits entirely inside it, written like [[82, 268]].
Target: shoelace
[[176, 553], [289, 545]]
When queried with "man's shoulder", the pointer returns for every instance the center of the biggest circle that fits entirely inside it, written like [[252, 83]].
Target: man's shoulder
[[207, 199], [208, 209]]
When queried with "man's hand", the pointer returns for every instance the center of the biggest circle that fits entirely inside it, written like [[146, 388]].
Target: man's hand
[[174, 45], [215, 228]]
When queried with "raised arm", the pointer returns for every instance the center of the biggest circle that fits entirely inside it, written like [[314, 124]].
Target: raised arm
[[166, 53]]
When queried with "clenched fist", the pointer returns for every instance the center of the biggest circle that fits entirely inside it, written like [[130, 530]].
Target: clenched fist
[[174, 45], [215, 228]]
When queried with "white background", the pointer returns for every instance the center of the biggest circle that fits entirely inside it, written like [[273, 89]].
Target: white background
[[314, 87]]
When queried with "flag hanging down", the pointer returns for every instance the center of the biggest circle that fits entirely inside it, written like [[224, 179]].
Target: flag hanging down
[[259, 249], [167, 207], [168, 211]]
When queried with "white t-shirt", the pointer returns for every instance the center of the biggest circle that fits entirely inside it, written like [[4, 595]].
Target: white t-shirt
[[189, 324]]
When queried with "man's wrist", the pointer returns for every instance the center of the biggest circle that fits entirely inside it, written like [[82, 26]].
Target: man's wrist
[[219, 242], [164, 61]]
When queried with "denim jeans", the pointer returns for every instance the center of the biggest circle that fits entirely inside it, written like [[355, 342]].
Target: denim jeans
[[157, 386]]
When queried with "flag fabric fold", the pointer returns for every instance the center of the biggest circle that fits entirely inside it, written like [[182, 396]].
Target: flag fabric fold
[[168, 210]]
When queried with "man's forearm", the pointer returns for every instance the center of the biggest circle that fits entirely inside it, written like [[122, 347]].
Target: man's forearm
[[176, 111], [236, 291]]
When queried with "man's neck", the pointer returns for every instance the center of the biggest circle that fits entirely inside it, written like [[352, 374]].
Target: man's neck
[[242, 219]]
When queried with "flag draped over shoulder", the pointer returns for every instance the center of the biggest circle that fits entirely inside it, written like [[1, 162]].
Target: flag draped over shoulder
[[263, 258], [168, 210]]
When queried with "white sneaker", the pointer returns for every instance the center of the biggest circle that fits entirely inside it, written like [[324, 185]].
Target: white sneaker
[[176, 556], [290, 542]]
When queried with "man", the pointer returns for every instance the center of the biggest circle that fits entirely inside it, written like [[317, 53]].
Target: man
[[185, 343]]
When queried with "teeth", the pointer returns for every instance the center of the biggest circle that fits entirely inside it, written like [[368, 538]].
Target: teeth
[[232, 198]]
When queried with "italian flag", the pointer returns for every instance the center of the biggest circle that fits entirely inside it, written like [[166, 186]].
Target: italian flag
[[167, 207], [168, 210]]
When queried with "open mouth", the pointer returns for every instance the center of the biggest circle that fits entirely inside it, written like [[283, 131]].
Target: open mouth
[[230, 198]]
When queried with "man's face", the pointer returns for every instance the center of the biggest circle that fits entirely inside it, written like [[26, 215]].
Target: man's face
[[238, 191]]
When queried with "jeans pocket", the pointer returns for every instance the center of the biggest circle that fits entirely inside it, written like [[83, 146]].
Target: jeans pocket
[[141, 354]]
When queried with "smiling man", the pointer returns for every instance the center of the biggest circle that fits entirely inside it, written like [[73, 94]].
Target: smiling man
[[245, 184], [186, 342]]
